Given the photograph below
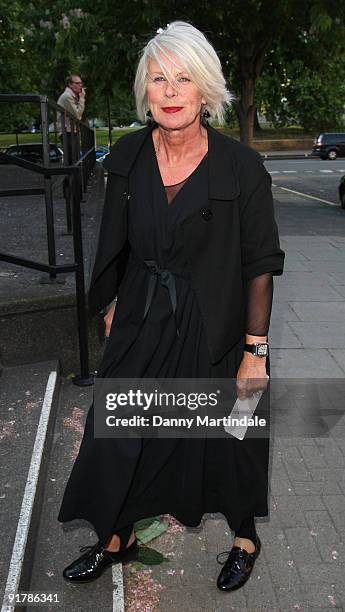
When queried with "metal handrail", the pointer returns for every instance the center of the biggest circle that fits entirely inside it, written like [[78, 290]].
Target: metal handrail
[[77, 175], [39, 98]]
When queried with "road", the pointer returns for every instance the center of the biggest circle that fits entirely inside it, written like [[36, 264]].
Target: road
[[312, 177]]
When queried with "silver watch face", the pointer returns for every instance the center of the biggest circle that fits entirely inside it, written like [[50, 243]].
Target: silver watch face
[[262, 350]]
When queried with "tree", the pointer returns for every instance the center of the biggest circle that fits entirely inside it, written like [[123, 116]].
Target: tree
[[305, 84], [15, 67], [271, 52], [246, 33], [109, 40]]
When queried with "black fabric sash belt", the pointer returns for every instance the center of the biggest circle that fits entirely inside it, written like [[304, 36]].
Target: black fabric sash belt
[[167, 279]]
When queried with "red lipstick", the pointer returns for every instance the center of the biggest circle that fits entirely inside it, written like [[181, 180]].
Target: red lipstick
[[172, 109]]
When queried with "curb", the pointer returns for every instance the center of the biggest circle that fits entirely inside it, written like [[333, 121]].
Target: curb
[[269, 156]]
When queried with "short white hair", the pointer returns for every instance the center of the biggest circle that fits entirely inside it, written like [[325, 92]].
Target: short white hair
[[197, 57]]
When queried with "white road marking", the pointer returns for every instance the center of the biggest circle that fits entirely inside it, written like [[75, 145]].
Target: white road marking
[[305, 195], [18, 551], [301, 173], [118, 594]]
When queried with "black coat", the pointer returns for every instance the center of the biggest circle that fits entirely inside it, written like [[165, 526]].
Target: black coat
[[231, 241]]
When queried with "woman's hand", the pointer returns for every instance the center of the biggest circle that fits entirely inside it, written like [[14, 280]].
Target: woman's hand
[[251, 375], [108, 319]]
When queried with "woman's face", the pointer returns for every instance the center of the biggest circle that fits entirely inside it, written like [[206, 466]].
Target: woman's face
[[177, 105]]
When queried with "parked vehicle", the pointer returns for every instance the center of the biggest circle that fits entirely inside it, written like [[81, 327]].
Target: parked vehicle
[[342, 191], [33, 152], [101, 151], [329, 145]]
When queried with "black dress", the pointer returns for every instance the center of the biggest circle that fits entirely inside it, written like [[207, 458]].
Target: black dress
[[115, 482]]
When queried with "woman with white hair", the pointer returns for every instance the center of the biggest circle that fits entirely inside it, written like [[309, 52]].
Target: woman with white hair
[[187, 250]]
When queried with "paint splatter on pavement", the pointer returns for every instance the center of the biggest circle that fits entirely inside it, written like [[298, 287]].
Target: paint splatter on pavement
[[74, 423], [7, 429], [142, 591], [175, 526]]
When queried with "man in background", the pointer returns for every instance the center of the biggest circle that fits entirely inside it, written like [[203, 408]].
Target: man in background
[[73, 101]]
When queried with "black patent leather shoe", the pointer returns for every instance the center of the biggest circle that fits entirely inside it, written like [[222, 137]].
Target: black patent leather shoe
[[238, 567], [95, 560]]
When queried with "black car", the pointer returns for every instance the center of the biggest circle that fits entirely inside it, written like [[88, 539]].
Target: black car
[[329, 145], [342, 191], [34, 152]]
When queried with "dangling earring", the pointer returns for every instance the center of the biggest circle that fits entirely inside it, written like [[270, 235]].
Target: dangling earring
[[149, 119], [205, 115]]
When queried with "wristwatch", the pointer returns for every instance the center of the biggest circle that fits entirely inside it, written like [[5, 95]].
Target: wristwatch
[[260, 349]]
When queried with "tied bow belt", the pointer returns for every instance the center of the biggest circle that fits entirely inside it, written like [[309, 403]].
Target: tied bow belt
[[165, 277]]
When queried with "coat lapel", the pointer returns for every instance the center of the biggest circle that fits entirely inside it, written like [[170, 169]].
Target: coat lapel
[[223, 181], [123, 154]]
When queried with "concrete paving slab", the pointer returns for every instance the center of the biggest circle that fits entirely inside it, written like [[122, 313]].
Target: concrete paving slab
[[339, 277], [289, 512], [303, 277], [340, 289], [282, 336], [308, 293], [305, 363], [302, 544], [303, 598], [326, 252], [319, 334], [324, 266], [319, 311], [339, 357], [283, 312]]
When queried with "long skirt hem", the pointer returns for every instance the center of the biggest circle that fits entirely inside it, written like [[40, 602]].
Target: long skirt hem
[[234, 524]]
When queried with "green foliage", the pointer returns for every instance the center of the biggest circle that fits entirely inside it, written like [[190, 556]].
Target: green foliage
[[147, 530], [14, 67], [279, 55], [101, 137], [144, 523], [323, 92], [151, 531], [109, 41], [149, 556], [303, 81]]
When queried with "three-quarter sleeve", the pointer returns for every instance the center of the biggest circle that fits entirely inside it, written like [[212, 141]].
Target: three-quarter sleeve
[[260, 246], [259, 297]]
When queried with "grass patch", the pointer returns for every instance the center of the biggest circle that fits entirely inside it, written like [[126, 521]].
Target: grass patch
[[102, 135]]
